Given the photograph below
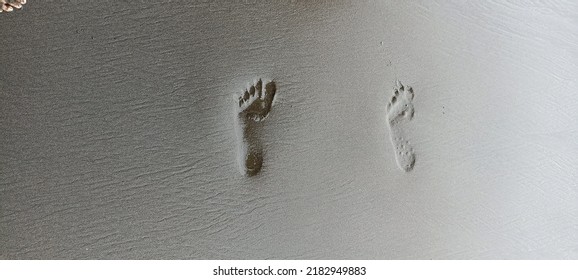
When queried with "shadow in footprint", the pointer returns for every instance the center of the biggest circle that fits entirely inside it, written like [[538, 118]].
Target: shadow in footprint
[[254, 105]]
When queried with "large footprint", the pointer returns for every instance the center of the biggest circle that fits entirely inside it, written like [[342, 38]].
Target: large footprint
[[10, 5], [254, 106], [399, 110]]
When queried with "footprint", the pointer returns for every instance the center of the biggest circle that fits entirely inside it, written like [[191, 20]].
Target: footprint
[[254, 106], [10, 5], [400, 110]]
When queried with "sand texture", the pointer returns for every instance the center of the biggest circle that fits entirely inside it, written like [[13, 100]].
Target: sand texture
[[395, 130]]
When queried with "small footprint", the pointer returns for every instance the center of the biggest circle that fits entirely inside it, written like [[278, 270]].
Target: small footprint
[[254, 106], [10, 5], [400, 110]]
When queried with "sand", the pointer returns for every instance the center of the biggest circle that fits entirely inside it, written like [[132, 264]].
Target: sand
[[120, 134]]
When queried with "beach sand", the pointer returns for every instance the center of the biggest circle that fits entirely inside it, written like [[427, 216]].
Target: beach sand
[[120, 135]]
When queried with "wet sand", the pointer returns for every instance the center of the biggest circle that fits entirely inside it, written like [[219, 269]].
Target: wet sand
[[118, 137]]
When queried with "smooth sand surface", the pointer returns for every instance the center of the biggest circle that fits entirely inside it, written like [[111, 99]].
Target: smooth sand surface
[[118, 135]]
